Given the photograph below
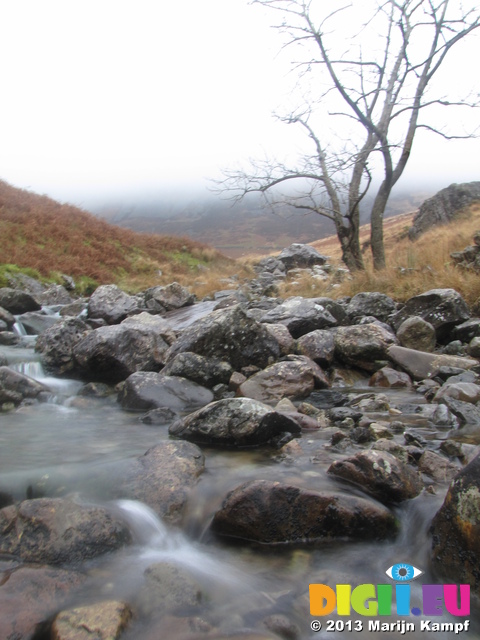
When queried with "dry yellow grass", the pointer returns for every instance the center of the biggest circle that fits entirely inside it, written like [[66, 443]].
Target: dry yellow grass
[[413, 267]]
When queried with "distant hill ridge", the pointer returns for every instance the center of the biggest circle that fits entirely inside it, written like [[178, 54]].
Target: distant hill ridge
[[39, 233]]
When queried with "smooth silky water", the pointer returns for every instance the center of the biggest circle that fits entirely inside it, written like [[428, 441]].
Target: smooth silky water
[[81, 446]]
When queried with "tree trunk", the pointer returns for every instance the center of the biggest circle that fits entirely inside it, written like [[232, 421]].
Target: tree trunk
[[376, 226], [351, 252]]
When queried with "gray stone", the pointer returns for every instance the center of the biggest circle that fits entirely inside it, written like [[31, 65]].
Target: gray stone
[[16, 301], [388, 377], [301, 255], [464, 391], [421, 365], [207, 372], [172, 296], [443, 206], [7, 318], [55, 345], [145, 390], [300, 316], [53, 295], [417, 333], [112, 304], [112, 353], [371, 303], [234, 422], [294, 377], [318, 345], [229, 334], [363, 346], [276, 513], [104, 621], [442, 308], [36, 322], [57, 530], [455, 529], [15, 386], [380, 474], [437, 467]]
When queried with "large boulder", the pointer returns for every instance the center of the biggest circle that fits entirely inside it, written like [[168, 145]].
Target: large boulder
[[231, 335], [456, 529], [15, 386], [145, 390], [173, 296], [112, 304], [380, 474], [55, 345], [294, 377], [300, 256], [370, 303], [363, 346], [17, 302], [58, 530], [205, 371], [234, 422], [7, 318], [163, 477], [443, 206], [112, 353], [319, 345], [442, 308], [417, 333], [421, 365], [300, 316], [275, 513]]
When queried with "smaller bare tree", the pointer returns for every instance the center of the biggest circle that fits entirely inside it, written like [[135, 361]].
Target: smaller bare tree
[[373, 86]]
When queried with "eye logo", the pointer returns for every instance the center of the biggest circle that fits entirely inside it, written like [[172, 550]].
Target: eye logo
[[401, 572]]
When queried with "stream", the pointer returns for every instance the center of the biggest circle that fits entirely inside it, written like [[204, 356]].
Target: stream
[[82, 445]]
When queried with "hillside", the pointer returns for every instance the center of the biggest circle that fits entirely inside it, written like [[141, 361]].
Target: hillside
[[51, 238]]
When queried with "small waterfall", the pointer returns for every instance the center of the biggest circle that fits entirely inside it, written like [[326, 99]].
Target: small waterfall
[[18, 328]]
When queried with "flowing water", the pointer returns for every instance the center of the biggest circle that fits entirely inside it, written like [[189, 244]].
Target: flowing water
[[77, 445]]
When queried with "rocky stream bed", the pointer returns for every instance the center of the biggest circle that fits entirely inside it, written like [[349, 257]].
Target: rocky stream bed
[[180, 469]]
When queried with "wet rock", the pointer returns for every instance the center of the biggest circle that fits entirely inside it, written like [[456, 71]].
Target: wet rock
[[417, 333], [300, 316], [173, 296], [204, 371], [282, 626], [74, 309], [317, 345], [102, 621], [234, 422], [466, 413], [442, 308], [168, 589], [372, 303], [464, 391], [272, 513], [229, 334], [474, 347], [162, 478], [338, 414], [15, 387], [112, 304], [421, 365], [389, 446], [17, 302], [456, 529], [467, 330], [293, 378], [56, 344], [380, 474], [36, 322], [146, 390], [388, 377], [363, 346], [437, 467], [7, 318], [301, 255], [162, 415], [29, 595], [111, 354], [57, 530]]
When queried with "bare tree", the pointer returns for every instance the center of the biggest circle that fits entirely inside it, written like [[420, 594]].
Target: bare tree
[[377, 83]]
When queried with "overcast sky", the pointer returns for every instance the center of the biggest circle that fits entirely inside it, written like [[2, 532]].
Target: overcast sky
[[109, 98]]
